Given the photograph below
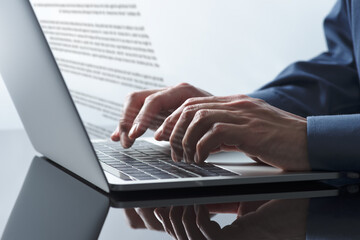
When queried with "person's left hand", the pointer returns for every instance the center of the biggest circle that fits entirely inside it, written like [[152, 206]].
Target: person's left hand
[[238, 122]]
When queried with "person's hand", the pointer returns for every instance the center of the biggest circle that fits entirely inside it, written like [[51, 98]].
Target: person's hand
[[147, 109], [276, 219], [265, 133]]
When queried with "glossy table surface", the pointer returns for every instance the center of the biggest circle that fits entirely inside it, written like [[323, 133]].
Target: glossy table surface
[[41, 201]]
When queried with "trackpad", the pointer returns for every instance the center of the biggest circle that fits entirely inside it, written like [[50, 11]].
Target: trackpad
[[229, 158]]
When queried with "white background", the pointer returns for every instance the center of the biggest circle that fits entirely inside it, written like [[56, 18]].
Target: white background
[[269, 36]]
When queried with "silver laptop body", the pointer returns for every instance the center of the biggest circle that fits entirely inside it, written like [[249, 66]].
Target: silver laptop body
[[55, 129]]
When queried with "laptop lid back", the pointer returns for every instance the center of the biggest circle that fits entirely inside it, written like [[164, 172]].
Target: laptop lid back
[[40, 95]]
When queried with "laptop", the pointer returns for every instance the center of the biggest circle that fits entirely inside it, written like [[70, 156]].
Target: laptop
[[56, 130]]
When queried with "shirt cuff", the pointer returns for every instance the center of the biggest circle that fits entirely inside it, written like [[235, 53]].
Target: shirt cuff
[[334, 142]]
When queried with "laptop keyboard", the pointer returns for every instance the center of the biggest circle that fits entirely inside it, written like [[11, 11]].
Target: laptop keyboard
[[147, 161]]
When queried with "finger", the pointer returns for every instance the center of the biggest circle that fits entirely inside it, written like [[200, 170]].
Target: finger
[[223, 207], [170, 98], [149, 219], [187, 116], [163, 216], [189, 222], [131, 108], [115, 136], [177, 135], [158, 121], [203, 120], [219, 134], [165, 129], [225, 148], [176, 222], [210, 229], [134, 219]]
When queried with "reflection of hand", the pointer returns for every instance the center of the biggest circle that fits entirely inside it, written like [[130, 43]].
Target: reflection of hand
[[143, 218], [277, 219], [147, 109]]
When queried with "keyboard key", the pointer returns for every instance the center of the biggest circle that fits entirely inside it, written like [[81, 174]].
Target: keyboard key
[[196, 170], [121, 166], [126, 159], [111, 161], [178, 172], [146, 161], [154, 171], [215, 169], [164, 176], [143, 167], [144, 177]]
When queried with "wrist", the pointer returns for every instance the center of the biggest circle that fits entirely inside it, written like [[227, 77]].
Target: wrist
[[302, 160]]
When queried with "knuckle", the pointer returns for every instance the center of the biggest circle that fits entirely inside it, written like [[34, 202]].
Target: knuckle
[[188, 102], [150, 98], [167, 121], [124, 125], [192, 101], [244, 103], [237, 97], [259, 100], [243, 96], [172, 140], [201, 114], [188, 111], [199, 146], [132, 96], [185, 144], [218, 128], [184, 85]]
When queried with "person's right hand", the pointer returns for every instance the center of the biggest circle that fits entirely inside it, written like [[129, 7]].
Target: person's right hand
[[147, 109]]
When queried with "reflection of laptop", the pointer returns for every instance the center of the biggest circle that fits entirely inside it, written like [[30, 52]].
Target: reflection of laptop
[[55, 128], [57, 200]]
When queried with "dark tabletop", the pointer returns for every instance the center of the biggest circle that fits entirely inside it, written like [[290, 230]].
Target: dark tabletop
[[41, 201]]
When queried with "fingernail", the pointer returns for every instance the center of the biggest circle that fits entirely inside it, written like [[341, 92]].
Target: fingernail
[[115, 135], [196, 158], [159, 132], [173, 155], [115, 132], [125, 140], [133, 130], [185, 157]]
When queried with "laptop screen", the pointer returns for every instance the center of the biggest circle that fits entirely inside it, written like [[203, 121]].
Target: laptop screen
[[108, 49], [104, 53]]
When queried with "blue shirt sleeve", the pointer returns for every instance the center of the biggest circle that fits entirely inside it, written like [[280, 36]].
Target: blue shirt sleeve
[[325, 85]]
